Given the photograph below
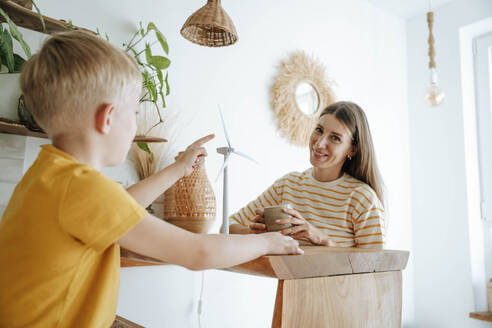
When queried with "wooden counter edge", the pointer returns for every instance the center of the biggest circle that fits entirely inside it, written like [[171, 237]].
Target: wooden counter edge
[[276, 266]]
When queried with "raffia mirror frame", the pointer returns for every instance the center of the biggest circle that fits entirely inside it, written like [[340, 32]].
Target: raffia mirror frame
[[293, 123]]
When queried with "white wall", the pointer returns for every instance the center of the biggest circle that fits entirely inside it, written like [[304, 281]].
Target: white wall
[[11, 163], [443, 280], [364, 51]]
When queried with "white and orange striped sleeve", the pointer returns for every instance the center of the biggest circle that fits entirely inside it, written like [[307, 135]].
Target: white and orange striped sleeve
[[368, 220], [270, 197]]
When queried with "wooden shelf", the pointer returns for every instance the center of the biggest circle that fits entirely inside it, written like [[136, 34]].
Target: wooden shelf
[[29, 19], [149, 139], [484, 316], [15, 127]]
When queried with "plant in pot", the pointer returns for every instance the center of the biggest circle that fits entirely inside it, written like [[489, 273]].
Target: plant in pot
[[10, 65], [155, 82]]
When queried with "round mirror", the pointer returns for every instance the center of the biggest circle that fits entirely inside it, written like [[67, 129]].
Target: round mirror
[[307, 98], [298, 95]]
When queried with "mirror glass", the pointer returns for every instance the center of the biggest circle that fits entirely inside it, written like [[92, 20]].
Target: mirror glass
[[307, 98]]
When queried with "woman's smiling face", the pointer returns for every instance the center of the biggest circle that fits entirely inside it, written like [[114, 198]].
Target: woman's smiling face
[[330, 144]]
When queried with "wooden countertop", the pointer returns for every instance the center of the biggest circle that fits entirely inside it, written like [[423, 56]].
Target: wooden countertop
[[317, 261]]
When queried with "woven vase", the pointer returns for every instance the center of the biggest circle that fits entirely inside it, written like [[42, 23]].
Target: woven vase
[[190, 202]]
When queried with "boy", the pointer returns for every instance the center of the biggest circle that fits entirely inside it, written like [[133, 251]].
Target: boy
[[61, 232]]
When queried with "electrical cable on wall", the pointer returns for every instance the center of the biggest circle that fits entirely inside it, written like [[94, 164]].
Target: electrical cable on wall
[[200, 301]]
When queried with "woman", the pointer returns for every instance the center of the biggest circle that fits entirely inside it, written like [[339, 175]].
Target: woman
[[337, 202]]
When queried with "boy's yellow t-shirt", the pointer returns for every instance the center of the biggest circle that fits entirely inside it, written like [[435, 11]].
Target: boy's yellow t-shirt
[[59, 264]]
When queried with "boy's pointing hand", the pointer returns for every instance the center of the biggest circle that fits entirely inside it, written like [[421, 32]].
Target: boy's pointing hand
[[193, 156]]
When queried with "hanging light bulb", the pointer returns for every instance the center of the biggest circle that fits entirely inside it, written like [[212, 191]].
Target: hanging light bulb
[[434, 95]]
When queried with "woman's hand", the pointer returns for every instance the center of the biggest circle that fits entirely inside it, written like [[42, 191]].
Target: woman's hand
[[302, 229], [258, 225], [194, 155]]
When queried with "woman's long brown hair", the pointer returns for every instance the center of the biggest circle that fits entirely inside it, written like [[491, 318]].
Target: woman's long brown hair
[[363, 165]]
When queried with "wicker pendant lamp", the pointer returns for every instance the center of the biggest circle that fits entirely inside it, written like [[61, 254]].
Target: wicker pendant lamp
[[210, 26]]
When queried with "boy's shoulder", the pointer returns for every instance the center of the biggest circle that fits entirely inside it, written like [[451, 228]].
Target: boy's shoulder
[[56, 174], [55, 164]]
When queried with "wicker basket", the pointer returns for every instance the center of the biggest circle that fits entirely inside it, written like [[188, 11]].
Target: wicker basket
[[190, 202], [210, 26]]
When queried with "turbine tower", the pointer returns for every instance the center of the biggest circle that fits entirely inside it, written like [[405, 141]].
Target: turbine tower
[[227, 151]]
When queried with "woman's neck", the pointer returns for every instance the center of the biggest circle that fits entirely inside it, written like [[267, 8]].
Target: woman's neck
[[324, 175]]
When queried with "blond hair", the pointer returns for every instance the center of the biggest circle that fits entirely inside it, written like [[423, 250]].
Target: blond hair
[[74, 73], [362, 165]]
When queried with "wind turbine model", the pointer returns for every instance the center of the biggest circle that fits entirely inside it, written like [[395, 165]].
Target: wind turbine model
[[227, 151]]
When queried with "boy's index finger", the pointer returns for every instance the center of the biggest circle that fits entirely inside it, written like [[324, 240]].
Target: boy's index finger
[[203, 140]]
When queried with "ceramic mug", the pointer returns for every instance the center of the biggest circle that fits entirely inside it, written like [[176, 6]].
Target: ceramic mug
[[273, 213]]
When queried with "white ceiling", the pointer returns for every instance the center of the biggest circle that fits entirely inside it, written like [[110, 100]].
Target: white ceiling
[[407, 8]]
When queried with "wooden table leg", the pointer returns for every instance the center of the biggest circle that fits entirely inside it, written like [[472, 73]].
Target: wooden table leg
[[357, 300]]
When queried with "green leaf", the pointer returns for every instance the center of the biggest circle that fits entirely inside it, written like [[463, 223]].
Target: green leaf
[[148, 53], [7, 49], [159, 62], [161, 86], [152, 89], [151, 26], [141, 30], [168, 90], [40, 16], [162, 41], [160, 37], [145, 76], [163, 101], [145, 147], [3, 64], [18, 63], [160, 78], [16, 34]]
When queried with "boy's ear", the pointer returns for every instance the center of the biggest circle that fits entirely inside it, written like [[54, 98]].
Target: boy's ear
[[104, 118]]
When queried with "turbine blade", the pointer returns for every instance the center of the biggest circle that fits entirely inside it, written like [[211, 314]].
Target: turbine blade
[[222, 168], [224, 126], [245, 156]]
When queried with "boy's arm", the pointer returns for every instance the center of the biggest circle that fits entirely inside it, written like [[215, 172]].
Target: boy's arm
[[237, 228], [147, 190], [161, 240]]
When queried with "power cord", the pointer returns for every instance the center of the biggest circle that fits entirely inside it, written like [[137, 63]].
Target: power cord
[[200, 301]]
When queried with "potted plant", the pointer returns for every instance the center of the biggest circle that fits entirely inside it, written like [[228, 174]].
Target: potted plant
[[11, 63], [10, 66]]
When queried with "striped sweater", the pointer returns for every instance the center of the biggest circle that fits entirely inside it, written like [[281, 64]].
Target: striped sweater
[[346, 209]]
